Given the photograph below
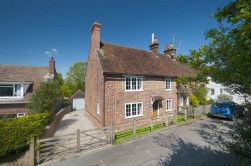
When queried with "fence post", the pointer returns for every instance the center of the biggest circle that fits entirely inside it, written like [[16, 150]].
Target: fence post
[[185, 115], [166, 120], [113, 133], [38, 152], [151, 121], [78, 140], [134, 127], [175, 117], [32, 152]]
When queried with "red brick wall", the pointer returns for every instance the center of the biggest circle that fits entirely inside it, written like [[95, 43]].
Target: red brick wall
[[116, 97], [13, 108], [94, 89]]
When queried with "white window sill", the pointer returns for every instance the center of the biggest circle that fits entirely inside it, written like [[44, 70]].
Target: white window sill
[[133, 116], [168, 89], [10, 98], [133, 90]]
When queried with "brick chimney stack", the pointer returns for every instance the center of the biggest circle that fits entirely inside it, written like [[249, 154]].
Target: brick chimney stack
[[170, 51], [154, 46], [52, 68], [95, 38]]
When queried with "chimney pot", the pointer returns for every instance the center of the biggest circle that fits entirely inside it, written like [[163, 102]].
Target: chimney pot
[[170, 51], [154, 46]]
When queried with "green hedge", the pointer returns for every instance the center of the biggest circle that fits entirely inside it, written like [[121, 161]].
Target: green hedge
[[16, 133]]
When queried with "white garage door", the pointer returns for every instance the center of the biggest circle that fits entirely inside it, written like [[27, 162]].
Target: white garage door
[[78, 104]]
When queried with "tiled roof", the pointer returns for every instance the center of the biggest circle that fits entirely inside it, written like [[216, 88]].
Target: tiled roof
[[15, 73], [116, 59]]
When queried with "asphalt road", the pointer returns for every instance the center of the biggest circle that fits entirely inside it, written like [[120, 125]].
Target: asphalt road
[[199, 143]]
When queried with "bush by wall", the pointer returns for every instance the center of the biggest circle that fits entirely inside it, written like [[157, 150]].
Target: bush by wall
[[224, 97], [16, 133], [193, 101]]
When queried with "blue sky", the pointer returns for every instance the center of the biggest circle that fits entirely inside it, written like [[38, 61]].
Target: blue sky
[[30, 27]]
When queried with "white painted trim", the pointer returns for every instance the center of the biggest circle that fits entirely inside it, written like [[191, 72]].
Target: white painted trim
[[136, 110]]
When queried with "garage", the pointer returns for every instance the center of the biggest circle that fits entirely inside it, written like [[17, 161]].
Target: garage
[[78, 103], [78, 100]]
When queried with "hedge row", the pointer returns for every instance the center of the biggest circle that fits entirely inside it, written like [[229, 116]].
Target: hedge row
[[16, 133]]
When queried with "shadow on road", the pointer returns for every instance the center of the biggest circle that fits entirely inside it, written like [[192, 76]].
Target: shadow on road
[[185, 153], [66, 123]]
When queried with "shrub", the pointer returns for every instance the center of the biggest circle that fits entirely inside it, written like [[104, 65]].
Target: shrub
[[45, 97], [210, 102], [16, 133], [193, 101], [224, 97]]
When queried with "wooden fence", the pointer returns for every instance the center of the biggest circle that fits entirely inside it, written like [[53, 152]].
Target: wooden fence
[[194, 112], [61, 147]]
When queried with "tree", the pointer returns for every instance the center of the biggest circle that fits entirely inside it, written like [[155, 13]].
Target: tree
[[196, 61], [66, 91], [75, 78], [183, 89], [45, 97], [229, 56], [229, 52], [60, 79]]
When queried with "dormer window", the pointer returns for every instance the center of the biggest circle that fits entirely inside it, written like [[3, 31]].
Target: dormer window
[[10, 90], [133, 83]]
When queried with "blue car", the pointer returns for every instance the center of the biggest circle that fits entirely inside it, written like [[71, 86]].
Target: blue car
[[226, 109]]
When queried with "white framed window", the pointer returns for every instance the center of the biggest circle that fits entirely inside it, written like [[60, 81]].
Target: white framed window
[[133, 83], [168, 83], [212, 91], [20, 114], [10, 90], [168, 104], [133, 109], [98, 109]]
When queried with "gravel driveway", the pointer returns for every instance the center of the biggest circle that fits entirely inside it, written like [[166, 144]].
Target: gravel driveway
[[73, 121]]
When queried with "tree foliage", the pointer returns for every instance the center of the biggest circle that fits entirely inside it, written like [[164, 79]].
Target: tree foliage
[[229, 56], [45, 97], [75, 78], [229, 52]]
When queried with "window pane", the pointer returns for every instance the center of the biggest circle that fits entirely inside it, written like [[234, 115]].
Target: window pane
[[139, 109], [168, 104], [6, 91], [17, 90], [134, 83], [168, 83], [128, 84], [128, 110], [139, 84], [133, 109]]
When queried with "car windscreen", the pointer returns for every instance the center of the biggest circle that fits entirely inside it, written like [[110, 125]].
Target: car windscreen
[[220, 105]]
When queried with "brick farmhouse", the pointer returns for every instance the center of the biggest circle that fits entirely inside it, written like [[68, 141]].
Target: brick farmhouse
[[123, 82], [18, 83]]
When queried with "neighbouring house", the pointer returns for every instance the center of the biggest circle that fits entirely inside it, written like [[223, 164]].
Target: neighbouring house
[[77, 100], [123, 82], [215, 89], [18, 83]]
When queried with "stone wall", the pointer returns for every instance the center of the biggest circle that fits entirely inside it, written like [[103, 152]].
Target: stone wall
[[51, 129]]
